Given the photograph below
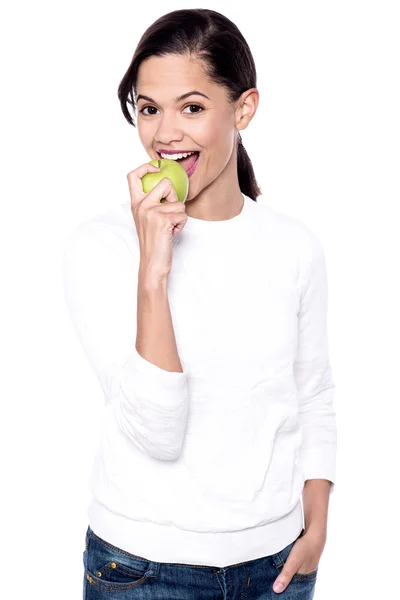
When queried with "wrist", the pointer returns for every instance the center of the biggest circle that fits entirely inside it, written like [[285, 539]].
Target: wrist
[[150, 279], [316, 531]]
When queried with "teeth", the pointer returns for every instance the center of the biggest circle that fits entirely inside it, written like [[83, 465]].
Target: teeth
[[176, 156]]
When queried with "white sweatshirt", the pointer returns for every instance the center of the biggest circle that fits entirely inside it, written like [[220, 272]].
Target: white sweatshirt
[[207, 466]]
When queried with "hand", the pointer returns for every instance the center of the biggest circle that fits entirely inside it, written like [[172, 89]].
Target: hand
[[303, 558], [156, 222]]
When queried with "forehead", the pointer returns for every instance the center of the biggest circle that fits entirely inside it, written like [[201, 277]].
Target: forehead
[[172, 75]]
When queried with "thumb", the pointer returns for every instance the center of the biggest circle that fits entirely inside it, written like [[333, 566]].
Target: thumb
[[286, 575], [282, 581]]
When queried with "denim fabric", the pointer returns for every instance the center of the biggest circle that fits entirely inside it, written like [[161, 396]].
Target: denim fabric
[[111, 573]]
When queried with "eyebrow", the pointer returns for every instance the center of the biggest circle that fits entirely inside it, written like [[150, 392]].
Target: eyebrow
[[178, 99]]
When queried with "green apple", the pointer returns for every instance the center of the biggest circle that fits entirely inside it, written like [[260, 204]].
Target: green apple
[[171, 169]]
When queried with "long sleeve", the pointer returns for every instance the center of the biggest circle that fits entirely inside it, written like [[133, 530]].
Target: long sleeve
[[100, 286], [313, 373]]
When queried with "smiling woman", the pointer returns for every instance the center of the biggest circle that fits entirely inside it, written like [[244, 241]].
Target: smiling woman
[[173, 125], [192, 86], [221, 409]]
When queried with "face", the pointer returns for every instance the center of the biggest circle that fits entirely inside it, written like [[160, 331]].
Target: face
[[204, 123]]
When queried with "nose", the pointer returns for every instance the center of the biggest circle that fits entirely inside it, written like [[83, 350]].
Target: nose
[[168, 130]]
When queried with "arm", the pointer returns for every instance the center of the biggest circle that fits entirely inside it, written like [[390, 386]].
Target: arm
[[105, 303], [316, 494], [155, 338], [315, 387]]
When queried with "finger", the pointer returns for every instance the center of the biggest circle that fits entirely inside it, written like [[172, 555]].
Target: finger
[[175, 214], [283, 580], [135, 182], [170, 207], [290, 567], [164, 189]]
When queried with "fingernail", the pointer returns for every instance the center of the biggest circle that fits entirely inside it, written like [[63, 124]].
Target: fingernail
[[278, 586]]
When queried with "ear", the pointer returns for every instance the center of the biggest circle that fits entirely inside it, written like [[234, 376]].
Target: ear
[[246, 108]]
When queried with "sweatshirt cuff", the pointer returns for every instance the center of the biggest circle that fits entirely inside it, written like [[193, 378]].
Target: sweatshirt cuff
[[146, 367], [153, 389], [315, 468]]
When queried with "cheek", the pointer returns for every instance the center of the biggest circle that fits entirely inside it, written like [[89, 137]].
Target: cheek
[[144, 139], [209, 131], [146, 134], [221, 136], [221, 146]]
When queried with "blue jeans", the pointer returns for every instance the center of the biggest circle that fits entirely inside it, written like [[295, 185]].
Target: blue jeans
[[113, 574]]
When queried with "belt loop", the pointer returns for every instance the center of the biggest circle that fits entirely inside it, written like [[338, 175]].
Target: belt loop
[[153, 569], [87, 537]]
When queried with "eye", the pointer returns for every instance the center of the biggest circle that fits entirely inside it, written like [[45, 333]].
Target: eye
[[188, 106], [196, 106], [143, 109]]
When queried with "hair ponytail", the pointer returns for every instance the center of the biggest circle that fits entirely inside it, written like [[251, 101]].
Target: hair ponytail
[[247, 180]]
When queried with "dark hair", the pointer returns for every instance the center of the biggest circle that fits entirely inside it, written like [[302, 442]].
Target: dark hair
[[227, 59]]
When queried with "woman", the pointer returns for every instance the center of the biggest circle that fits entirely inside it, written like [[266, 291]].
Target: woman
[[205, 323]]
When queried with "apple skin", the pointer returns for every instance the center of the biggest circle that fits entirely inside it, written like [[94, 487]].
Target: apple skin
[[171, 169]]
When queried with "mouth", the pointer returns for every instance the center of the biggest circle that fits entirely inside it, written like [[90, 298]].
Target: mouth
[[189, 163]]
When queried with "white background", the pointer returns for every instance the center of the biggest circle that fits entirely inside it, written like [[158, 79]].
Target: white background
[[325, 148]]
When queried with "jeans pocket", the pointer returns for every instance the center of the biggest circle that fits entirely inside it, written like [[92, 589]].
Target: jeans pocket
[[306, 576], [108, 568], [280, 558]]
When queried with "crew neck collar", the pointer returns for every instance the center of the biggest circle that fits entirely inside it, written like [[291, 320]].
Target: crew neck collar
[[203, 226], [194, 224]]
